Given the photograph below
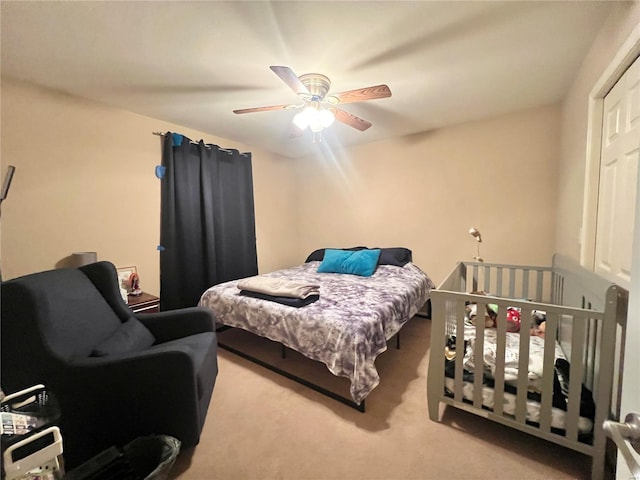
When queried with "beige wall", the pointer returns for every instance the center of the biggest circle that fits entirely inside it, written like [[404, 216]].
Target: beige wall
[[85, 182], [571, 175], [425, 191]]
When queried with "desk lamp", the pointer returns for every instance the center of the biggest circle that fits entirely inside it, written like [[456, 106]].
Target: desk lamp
[[473, 231]]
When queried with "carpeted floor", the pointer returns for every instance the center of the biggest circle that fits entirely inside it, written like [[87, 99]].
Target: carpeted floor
[[261, 425]]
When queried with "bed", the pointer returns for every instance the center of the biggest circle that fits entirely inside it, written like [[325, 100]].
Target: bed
[[349, 324], [538, 349]]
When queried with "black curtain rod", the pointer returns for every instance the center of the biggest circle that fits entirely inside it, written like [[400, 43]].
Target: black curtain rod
[[195, 143]]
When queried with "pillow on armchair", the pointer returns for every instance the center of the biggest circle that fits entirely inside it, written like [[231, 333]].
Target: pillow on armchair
[[131, 336]]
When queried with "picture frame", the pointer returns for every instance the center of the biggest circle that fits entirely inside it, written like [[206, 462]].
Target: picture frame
[[124, 276]]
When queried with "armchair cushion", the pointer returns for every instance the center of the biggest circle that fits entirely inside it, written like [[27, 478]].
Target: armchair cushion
[[131, 336]]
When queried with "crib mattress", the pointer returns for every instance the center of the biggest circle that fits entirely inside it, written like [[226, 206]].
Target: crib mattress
[[585, 425]]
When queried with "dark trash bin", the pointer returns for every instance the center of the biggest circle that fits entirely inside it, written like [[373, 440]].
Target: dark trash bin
[[145, 458]]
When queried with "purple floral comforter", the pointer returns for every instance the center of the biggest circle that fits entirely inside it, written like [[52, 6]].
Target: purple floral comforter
[[346, 329]]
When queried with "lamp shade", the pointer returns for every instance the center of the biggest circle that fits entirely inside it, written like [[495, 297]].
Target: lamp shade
[[326, 118], [78, 259], [473, 231], [301, 120], [314, 117]]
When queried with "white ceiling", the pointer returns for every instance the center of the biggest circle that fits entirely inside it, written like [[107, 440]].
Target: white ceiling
[[192, 63]]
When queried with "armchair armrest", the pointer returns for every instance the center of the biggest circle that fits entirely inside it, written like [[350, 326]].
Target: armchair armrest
[[149, 391], [170, 366], [151, 380], [180, 323]]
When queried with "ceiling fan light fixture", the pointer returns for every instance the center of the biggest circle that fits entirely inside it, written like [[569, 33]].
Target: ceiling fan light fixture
[[315, 126], [314, 117], [303, 118], [326, 118], [318, 108]]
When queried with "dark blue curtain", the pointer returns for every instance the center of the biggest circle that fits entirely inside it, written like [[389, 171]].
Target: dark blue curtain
[[207, 228]]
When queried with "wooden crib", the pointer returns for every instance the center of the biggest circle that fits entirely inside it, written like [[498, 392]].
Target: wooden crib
[[585, 325]]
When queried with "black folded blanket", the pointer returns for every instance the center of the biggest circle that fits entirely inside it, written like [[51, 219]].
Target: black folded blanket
[[291, 302]]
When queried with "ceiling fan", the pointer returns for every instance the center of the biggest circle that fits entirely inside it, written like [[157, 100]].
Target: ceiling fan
[[319, 109]]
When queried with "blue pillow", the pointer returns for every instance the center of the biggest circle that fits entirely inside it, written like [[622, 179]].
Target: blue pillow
[[361, 262]]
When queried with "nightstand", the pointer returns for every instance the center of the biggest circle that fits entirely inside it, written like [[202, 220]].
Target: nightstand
[[144, 303]]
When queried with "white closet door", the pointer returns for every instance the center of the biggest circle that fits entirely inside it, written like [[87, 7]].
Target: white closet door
[[618, 178]]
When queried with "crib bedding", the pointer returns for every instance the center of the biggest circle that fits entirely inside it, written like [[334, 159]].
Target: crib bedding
[[558, 415], [346, 328], [511, 374], [511, 357]]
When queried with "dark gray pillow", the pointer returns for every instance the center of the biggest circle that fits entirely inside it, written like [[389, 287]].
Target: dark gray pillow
[[398, 256], [131, 336], [318, 255]]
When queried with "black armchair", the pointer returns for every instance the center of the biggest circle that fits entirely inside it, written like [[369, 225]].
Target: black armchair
[[116, 375]]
